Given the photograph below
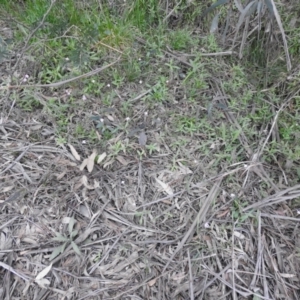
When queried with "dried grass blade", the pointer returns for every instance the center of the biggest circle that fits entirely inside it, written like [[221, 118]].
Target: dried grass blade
[[199, 218], [286, 50], [245, 34], [191, 277], [10, 269], [228, 18], [259, 252], [287, 194]]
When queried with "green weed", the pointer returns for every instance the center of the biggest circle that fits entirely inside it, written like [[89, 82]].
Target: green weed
[[66, 240], [236, 211]]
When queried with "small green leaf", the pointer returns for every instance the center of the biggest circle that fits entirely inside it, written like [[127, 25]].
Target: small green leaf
[[75, 247], [73, 234], [63, 246], [60, 238], [56, 252], [100, 125]]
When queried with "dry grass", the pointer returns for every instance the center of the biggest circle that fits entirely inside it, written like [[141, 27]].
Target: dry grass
[[161, 249]]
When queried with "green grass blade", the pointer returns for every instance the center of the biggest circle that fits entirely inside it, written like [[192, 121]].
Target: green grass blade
[[60, 238], [249, 9], [57, 251], [213, 6], [270, 7]]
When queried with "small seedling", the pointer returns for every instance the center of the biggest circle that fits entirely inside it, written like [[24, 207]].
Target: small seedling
[[66, 240], [152, 148], [237, 211]]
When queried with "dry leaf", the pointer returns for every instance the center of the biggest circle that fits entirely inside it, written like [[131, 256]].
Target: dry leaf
[[61, 175], [4, 239], [29, 241], [84, 180], [101, 158], [165, 187], [184, 169], [152, 282], [223, 213], [287, 275], [7, 189], [178, 276], [84, 211], [110, 118], [66, 220], [91, 161], [43, 283], [36, 127], [96, 184], [83, 164], [74, 152], [122, 160], [43, 273], [130, 204], [108, 163], [239, 235], [167, 202], [66, 162]]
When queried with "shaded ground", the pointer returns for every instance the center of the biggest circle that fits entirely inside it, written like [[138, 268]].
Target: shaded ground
[[176, 183]]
